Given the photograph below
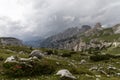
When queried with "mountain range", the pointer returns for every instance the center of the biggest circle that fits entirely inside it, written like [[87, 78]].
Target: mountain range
[[75, 37]]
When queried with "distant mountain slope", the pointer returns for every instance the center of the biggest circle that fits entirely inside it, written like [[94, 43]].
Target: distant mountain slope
[[68, 35], [71, 37], [33, 43], [10, 41]]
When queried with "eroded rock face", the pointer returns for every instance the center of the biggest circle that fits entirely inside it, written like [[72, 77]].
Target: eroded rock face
[[98, 26], [64, 73], [116, 29], [36, 53], [100, 44], [10, 41], [65, 39]]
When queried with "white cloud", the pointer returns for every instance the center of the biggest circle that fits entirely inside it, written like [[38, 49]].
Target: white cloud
[[27, 19]]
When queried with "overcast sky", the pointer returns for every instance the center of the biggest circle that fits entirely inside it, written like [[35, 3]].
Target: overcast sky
[[32, 19]]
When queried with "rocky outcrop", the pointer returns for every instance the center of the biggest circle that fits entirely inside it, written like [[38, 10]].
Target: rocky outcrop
[[95, 30], [10, 41], [98, 26], [64, 39], [80, 39], [116, 28]]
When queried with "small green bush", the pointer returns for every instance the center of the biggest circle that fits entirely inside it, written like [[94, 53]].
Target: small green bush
[[1, 58], [66, 55], [49, 52], [44, 67], [16, 69], [30, 68], [99, 57]]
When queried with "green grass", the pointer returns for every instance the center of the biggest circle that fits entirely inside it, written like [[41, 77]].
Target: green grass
[[105, 34], [114, 50], [71, 63]]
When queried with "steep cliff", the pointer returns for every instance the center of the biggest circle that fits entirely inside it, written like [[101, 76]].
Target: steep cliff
[[83, 38]]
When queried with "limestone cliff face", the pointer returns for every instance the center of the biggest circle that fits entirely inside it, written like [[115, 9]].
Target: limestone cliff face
[[116, 28], [65, 40], [10, 41], [84, 38]]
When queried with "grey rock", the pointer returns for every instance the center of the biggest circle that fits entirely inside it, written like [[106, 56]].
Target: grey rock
[[36, 53], [64, 73]]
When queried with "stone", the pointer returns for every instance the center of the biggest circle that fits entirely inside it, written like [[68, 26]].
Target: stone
[[118, 74], [97, 79], [25, 59], [103, 72], [98, 76], [82, 61], [11, 59], [93, 68], [111, 68], [65, 73], [36, 53], [87, 75]]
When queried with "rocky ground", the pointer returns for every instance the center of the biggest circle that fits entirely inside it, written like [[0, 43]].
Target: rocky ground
[[24, 63]]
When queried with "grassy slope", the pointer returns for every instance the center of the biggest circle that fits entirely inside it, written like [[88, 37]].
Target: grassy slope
[[79, 70], [105, 34]]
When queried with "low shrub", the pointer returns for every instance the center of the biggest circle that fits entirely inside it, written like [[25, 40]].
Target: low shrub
[[16, 69], [30, 68], [1, 58], [99, 57], [49, 52], [65, 54]]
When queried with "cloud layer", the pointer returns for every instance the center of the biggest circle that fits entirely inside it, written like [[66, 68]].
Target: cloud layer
[[32, 19]]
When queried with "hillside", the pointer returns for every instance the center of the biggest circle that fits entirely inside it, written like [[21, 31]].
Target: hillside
[[68, 35], [70, 38], [10, 41], [76, 54], [103, 65]]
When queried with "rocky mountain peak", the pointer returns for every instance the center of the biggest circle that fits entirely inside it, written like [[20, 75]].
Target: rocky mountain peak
[[98, 26], [85, 27]]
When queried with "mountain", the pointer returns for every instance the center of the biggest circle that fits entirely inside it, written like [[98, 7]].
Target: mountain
[[33, 43], [79, 38], [10, 41], [61, 38]]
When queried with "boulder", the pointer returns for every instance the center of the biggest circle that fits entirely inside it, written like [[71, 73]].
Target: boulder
[[93, 68], [98, 76], [36, 53], [25, 59], [82, 61], [111, 68], [118, 74], [64, 73], [11, 59]]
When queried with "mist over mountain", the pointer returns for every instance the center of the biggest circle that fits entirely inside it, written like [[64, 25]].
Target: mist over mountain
[[79, 38], [30, 19]]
